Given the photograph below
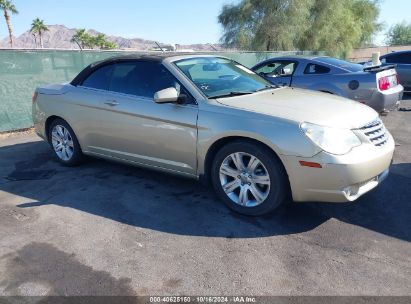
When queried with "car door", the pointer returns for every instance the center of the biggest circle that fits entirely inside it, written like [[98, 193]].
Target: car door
[[87, 105], [278, 72], [135, 128]]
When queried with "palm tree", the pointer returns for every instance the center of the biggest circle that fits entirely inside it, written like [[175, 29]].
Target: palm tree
[[85, 40], [8, 6], [99, 40], [39, 27], [80, 38], [35, 40]]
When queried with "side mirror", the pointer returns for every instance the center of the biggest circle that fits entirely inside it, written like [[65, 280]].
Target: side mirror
[[166, 96]]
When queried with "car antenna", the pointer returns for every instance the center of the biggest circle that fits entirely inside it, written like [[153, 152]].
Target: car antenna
[[159, 46], [212, 46]]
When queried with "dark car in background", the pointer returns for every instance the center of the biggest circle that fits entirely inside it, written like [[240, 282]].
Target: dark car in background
[[376, 87], [402, 61]]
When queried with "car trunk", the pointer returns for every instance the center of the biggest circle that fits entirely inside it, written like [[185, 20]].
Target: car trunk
[[386, 76]]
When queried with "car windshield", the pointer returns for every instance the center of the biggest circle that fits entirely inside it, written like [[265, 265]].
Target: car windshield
[[352, 67], [219, 77]]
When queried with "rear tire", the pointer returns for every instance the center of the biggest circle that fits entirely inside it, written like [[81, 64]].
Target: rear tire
[[249, 178], [64, 143]]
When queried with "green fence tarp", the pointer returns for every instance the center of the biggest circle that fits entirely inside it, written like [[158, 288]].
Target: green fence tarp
[[21, 71]]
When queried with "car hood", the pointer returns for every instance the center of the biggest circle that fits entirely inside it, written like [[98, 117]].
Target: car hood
[[305, 106]]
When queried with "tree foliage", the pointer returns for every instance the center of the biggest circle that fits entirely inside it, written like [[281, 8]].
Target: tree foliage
[[334, 26], [81, 38], [87, 41], [399, 34], [38, 27], [101, 42], [8, 7]]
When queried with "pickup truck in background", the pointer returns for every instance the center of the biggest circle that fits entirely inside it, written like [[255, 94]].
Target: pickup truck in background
[[377, 87]]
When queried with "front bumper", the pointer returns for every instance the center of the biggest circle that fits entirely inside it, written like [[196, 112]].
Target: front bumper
[[342, 178]]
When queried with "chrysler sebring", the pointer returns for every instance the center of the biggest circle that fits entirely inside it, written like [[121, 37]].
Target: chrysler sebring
[[211, 118]]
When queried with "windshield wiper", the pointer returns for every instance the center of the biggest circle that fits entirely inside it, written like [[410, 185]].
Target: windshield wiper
[[231, 94]]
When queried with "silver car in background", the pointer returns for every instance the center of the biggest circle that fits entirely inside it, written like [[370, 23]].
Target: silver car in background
[[377, 87], [211, 118]]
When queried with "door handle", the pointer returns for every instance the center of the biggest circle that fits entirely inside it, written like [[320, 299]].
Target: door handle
[[112, 103]]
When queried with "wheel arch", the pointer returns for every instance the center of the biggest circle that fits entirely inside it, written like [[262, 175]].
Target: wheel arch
[[48, 123], [221, 142]]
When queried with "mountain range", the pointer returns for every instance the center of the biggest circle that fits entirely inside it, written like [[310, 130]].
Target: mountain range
[[59, 36]]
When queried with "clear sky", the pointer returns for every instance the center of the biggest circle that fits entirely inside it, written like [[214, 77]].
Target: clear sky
[[168, 21]]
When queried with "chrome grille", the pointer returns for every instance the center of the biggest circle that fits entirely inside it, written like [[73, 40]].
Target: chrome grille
[[376, 133]]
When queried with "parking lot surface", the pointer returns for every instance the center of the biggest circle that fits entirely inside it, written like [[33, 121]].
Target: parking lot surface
[[109, 229]]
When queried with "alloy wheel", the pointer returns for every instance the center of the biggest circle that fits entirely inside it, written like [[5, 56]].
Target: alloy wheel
[[62, 142], [245, 179]]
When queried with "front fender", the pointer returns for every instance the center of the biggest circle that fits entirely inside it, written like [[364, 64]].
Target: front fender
[[280, 135]]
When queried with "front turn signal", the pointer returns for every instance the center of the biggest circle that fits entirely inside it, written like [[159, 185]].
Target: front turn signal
[[310, 164]]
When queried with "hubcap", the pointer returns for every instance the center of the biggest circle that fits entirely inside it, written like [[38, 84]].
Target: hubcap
[[244, 179], [62, 142]]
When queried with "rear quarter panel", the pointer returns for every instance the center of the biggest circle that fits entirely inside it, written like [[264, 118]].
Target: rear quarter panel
[[71, 105], [338, 84]]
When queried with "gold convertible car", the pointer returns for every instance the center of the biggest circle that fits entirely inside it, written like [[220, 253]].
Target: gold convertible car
[[211, 118]]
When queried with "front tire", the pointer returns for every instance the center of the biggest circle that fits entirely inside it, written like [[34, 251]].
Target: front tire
[[64, 143], [249, 178]]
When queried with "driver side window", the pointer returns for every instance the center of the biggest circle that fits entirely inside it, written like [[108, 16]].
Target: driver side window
[[288, 69], [140, 78], [277, 68], [144, 78], [268, 69]]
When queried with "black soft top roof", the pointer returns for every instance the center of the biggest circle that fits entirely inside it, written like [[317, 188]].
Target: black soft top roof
[[96, 65]]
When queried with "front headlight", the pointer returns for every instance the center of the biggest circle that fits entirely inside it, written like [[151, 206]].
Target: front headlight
[[331, 140]]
